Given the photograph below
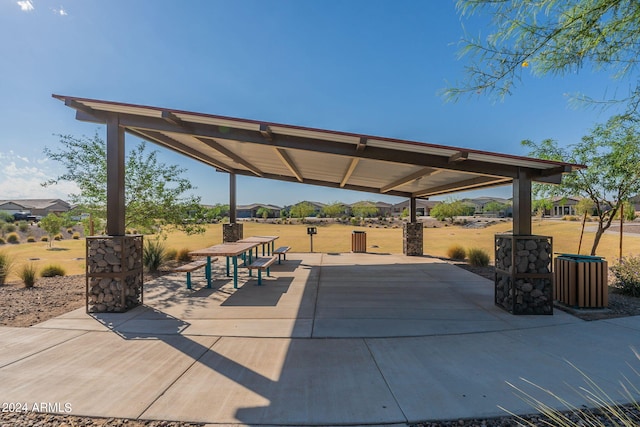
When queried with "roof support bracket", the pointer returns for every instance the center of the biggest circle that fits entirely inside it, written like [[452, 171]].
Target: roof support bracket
[[349, 171], [230, 154], [288, 162]]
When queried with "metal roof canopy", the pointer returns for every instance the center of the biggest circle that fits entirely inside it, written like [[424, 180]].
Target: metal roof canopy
[[320, 157]]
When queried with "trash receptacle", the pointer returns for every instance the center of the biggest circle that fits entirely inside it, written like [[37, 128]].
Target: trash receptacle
[[581, 281], [358, 241]]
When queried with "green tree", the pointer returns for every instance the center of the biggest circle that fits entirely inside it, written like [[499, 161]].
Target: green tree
[[334, 209], [263, 212], [302, 210], [556, 37], [494, 206], [585, 205], [449, 210], [52, 224], [612, 154], [154, 192], [364, 209], [540, 206]]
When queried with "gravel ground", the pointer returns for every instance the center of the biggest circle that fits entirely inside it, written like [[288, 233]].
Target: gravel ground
[[54, 296]]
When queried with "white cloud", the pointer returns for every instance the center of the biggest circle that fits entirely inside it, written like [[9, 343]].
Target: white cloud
[[60, 11], [26, 5]]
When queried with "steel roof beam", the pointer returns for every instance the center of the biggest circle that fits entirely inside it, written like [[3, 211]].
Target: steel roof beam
[[405, 179], [230, 154], [468, 184], [288, 162], [349, 171]]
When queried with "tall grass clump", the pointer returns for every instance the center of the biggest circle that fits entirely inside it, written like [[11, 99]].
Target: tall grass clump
[[183, 255], [456, 252], [28, 275], [599, 409], [23, 226], [6, 263], [627, 275], [153, 254], [52, 270], [13, 238], [478, 257], [171, 254], [9, 228]]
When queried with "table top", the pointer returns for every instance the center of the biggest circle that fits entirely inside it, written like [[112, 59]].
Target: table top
[[225, 249], [259, 239]]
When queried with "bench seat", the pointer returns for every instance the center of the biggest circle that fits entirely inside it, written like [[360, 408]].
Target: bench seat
[[192, 266], [262, 263], [282, 252]]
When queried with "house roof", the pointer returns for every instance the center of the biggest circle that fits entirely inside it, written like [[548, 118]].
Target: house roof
[[35, 203], [329, 158]]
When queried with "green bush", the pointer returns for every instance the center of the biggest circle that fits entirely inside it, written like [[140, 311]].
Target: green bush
[[478, 257], [9, 228], [28, 275], [6, 263], [13, 238], [456, 252], [6, 216], [52, 270], [23, 226], [153, 254], [627, 276], [183, 255]]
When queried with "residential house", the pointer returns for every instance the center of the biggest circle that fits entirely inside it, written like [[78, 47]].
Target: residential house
[[251, 211], [564, 205], [39, 207], [423, 207]]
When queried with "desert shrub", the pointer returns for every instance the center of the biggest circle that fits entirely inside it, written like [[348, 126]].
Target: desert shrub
[[183, 255], [153, 254], [5, 217], [13, 238], [75, 236], [23, 226], [52, 270], [9, 228], [70, 230], [171, 254], [2, 241], [6, 263], [478, 257], [569, 218], [456, 252], [31, 239], [627, 276], [58, 237], [28, 275], [44, 239]]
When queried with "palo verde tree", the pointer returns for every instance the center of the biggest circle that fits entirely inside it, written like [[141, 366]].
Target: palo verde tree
[[155, 197], [302, 210], [553, 37], [611, 153]]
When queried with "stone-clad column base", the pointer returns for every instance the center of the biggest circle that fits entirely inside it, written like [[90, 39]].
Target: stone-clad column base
[[524, 280], [232, 232], [114, 273], [412, 238]]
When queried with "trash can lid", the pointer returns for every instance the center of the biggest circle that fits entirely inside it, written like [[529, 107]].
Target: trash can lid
[[583, 258]]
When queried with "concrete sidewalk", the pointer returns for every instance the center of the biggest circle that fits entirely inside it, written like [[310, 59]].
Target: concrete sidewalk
[[327, 340]]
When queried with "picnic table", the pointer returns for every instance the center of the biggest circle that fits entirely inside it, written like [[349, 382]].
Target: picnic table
[[267, 242], [230, 250]]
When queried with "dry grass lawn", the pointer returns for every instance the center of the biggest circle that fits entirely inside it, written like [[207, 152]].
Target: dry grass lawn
[[70, 254]]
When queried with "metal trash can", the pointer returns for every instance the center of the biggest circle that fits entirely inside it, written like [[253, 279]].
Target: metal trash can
[[581, 281], [358, 241]]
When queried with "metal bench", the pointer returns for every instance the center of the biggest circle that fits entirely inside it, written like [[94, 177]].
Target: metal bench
[[260, 264], [192, 266], [282, 252]]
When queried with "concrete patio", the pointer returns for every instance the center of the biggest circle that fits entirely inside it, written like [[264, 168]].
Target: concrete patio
[[329, 339]]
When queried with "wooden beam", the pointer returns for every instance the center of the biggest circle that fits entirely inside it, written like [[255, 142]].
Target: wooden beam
[[266, 132], [468, 184], [288, 162], [362, 144], [349, 171], [230, 154], [170, 143], [173, 119], [405, 179], [460, 156]]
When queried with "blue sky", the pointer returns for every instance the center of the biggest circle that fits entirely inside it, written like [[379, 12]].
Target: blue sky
[[367, 66]]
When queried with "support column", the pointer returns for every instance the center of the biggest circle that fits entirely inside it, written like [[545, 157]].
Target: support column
[[232, 232], [412, 239], [115, 177], [522, 204], [412, 210]]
